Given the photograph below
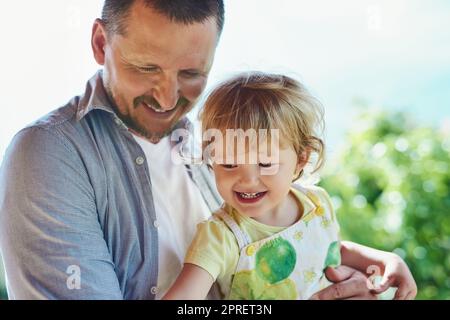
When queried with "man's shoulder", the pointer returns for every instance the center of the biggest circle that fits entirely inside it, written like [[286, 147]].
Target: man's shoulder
[[80, 114], [56, 134], [48, 128], [61, 124], [54, 123], [57, 117]]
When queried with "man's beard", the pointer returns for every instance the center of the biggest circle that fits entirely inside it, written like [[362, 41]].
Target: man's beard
[[181, 107]]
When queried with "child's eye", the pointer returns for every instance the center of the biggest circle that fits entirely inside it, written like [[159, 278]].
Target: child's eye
[[229, 166], [265, 165]]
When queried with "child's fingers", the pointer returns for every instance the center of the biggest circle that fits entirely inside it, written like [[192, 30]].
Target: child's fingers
[[402, 292], [411, 295], [386, 282], [407, 290], [412, 292]]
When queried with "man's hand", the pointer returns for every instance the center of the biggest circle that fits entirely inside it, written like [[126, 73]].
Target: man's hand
[[348, 284]]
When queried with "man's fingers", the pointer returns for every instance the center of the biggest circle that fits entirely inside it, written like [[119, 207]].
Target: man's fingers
[[351, 288], [364, 297], [338, 274]]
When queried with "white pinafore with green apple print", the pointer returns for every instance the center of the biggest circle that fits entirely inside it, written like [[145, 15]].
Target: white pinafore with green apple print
[[288, 265]]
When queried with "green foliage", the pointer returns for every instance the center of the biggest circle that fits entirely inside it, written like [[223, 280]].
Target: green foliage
[[390, 185], [3, 294]]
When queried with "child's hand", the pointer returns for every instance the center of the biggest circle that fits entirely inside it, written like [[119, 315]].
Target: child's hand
[[356, 257], [397, 274]]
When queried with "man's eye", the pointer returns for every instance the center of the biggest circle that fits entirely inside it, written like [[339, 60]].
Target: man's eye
[[191, 73], [149, 69]]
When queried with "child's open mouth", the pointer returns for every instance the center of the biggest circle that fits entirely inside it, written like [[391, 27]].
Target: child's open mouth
[[249, 197]]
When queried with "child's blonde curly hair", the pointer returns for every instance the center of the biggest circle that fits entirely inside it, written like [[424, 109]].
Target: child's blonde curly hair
[[256, 100]]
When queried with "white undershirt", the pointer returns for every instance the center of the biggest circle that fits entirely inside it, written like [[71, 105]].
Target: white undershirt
[[179, 207]]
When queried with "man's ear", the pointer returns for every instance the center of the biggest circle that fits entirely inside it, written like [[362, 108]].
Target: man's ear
[[98, 41]]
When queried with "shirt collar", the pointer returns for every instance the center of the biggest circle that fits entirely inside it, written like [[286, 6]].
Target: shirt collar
[[94, 97], [308, 205]]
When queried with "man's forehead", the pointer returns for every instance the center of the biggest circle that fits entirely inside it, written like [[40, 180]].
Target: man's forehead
[[144, 22], [152, 55], [173, 44]]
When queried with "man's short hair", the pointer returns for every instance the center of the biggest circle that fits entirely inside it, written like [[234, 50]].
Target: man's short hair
[[115, 12]]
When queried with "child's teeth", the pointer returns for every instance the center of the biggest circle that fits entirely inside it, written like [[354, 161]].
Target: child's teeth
[[249, 195]]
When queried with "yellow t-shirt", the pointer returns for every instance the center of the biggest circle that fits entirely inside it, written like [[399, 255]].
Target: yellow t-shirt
[[216, 250]]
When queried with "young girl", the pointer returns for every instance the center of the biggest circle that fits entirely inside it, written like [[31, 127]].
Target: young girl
[[272, 239]]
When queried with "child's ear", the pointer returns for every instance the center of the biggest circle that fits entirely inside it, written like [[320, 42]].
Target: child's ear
[[303, 159]]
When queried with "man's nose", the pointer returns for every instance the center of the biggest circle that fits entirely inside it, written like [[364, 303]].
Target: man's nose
[[167, 92]]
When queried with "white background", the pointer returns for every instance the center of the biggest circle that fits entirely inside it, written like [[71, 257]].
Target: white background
[[386, 53]]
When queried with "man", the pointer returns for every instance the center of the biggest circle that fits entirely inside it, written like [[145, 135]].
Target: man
[[91, 205]]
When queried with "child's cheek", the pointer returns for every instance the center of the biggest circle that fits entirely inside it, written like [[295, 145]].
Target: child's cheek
[[224, 187]]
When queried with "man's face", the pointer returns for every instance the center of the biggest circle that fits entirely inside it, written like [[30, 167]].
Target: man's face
[[156, 72]]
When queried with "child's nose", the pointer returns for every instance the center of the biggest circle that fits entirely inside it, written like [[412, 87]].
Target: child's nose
[[249, 175]]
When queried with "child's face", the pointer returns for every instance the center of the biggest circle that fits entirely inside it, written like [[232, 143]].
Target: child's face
[[257, 190]]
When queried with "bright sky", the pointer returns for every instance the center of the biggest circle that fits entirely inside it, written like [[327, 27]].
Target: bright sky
[[392, 54]]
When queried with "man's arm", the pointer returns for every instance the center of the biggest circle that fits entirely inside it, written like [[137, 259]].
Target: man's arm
[[50, 237]]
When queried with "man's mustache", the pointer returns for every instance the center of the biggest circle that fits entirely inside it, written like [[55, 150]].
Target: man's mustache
[[182, 102]]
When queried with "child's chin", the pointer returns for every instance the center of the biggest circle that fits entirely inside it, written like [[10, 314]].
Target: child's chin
[[251, 213]]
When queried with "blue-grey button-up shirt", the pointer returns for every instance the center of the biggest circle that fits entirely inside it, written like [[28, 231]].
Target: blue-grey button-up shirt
[[76, 206]]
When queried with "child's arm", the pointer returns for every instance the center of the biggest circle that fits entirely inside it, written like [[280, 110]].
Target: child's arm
[[394, 270], [193, 283], [361, 257]]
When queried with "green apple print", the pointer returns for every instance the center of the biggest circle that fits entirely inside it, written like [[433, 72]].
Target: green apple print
[[275, 260], [333, 258], [247, 285]]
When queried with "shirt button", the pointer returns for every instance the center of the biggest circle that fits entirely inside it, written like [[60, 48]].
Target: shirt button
[[154, 290], [156, 223], [320, 211], [250, 250], [140, 160]]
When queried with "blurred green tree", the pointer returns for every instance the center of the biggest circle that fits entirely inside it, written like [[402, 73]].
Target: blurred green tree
[[390, 184], [3, 294]]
